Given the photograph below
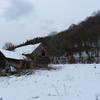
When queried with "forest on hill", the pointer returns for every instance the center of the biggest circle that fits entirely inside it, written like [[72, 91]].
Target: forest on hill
[[78, 38], [83, 37]]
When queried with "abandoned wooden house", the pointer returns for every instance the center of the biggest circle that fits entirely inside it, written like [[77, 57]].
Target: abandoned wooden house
[[25, 57], [39, 56]]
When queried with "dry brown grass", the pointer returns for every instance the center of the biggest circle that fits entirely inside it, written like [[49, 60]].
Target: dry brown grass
[[21, 72]]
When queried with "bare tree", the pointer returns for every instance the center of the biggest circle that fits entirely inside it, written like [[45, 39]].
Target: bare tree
[[9, 46]]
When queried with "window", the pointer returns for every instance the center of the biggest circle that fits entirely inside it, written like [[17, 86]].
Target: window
[[43, 53]]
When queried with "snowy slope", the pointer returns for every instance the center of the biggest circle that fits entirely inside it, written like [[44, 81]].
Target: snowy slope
[[70, 82]]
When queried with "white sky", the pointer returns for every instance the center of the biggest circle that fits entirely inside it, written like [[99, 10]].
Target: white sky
[[25, 19]]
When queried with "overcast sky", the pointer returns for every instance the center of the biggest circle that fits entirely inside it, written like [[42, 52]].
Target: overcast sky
[[25, 19]]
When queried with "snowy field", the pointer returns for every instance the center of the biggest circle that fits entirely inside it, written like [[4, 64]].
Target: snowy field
[[68, 82]]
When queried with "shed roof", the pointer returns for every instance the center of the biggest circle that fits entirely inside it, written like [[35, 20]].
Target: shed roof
[[27, 49], [11, 54]]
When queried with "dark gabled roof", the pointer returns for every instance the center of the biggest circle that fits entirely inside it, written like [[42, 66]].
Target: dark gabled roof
[[2, 55]]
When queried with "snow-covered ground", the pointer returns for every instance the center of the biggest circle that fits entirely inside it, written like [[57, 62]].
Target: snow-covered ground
[[68, 82]]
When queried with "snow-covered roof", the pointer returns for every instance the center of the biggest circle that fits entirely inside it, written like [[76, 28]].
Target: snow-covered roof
[[11, 54], [17, 54], [27, 49]]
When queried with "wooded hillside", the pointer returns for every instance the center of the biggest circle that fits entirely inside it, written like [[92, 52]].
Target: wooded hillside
[[84, 36]]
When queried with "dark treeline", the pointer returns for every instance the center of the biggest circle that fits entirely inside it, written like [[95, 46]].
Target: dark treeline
[[84, 37]]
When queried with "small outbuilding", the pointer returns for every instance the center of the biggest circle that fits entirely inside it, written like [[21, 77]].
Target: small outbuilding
[[39, 56]]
